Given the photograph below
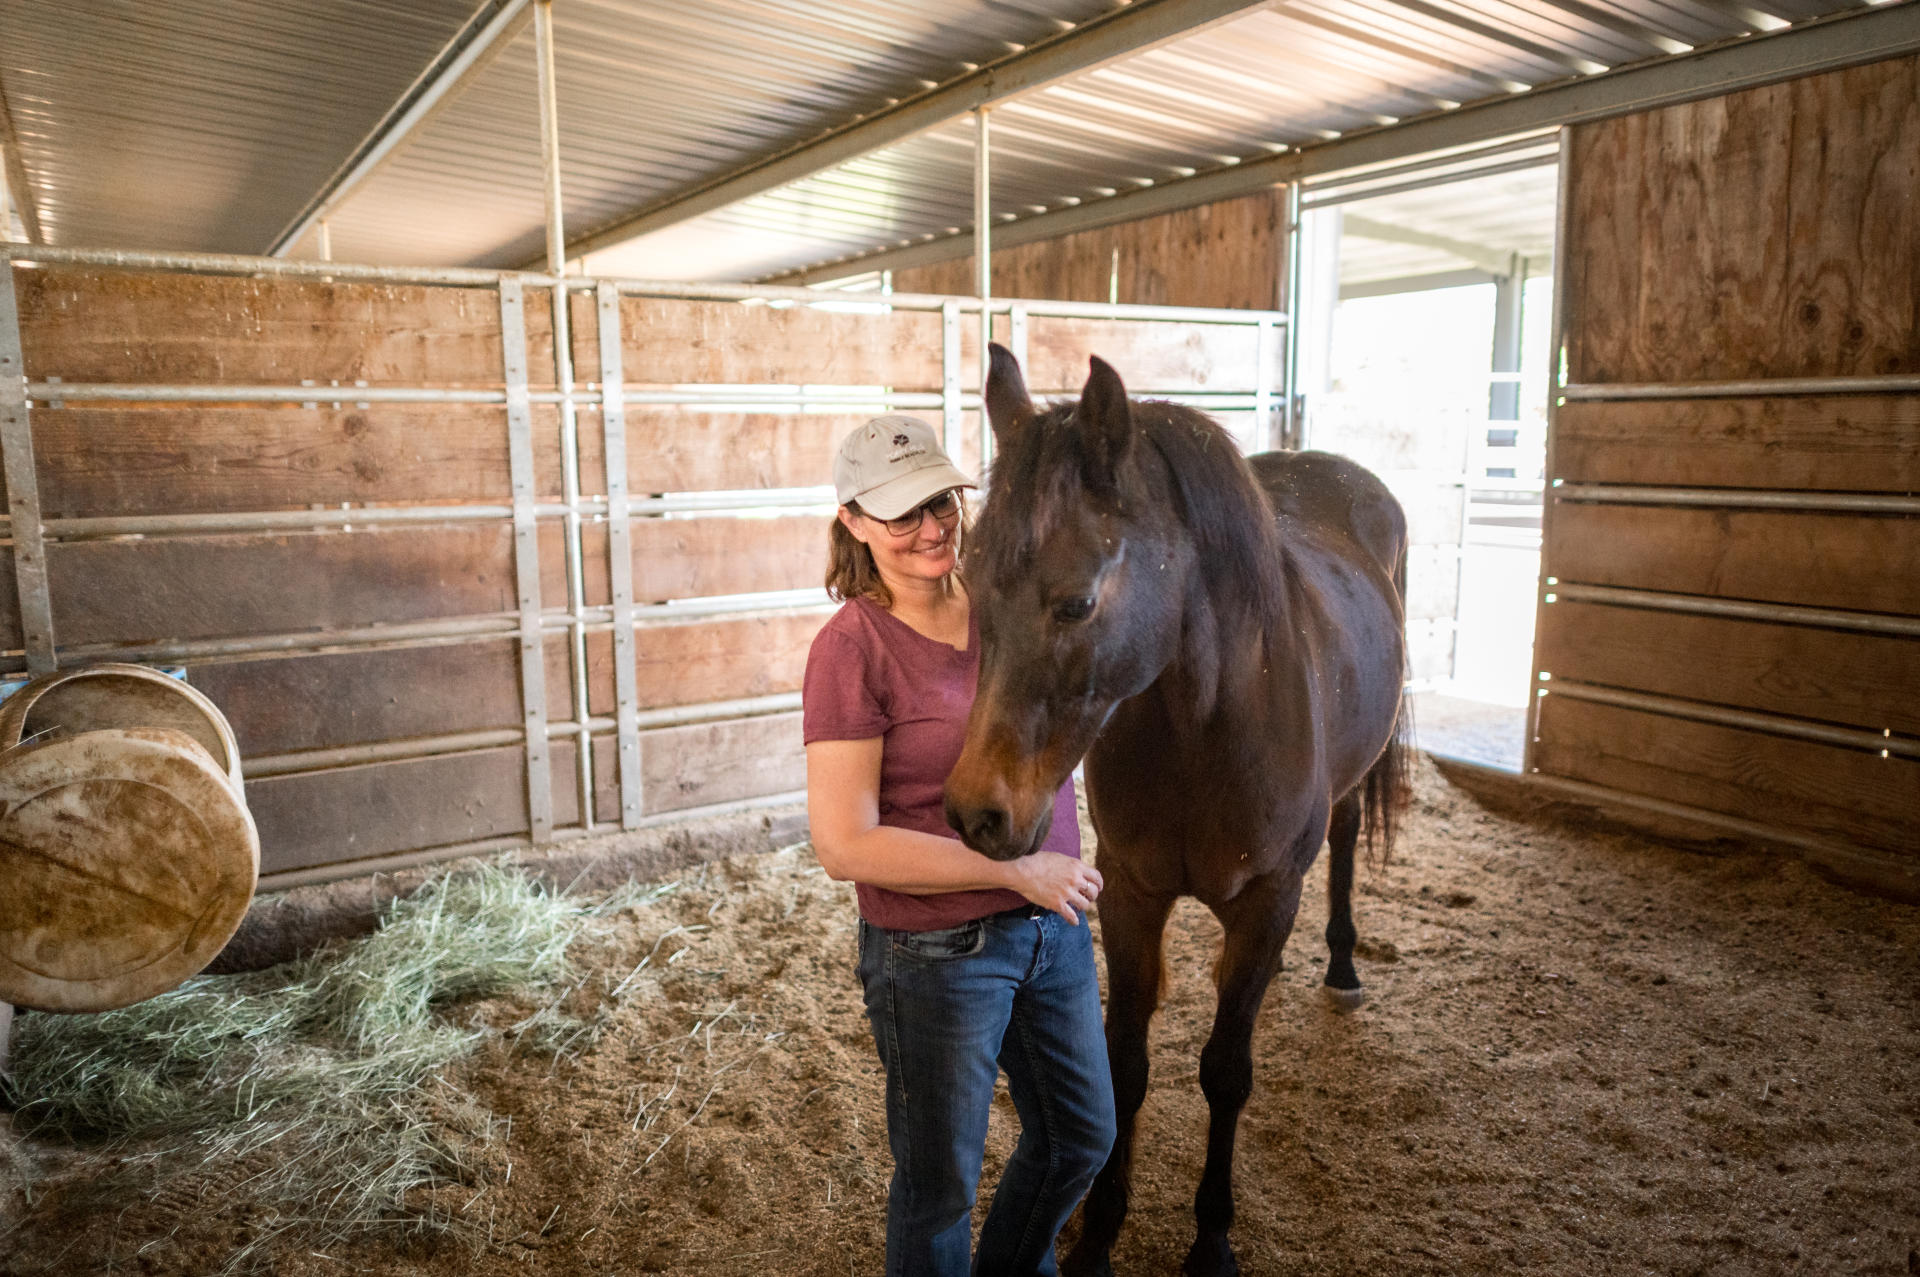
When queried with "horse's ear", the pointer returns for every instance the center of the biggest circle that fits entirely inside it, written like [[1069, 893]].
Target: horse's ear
[[1008, 404], [1106, 423]]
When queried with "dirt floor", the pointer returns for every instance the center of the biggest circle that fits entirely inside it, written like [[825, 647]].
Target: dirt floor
[[1585, 1053]]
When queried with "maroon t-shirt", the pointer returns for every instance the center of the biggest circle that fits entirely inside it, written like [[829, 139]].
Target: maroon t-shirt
[[871, 674]]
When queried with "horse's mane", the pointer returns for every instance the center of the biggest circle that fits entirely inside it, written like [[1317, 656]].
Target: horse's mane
[[1042, 472]]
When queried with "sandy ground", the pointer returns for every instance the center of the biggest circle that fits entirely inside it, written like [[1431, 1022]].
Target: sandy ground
[[1585, 1053]]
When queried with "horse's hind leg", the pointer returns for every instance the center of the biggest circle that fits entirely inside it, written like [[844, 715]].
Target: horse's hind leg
[[1131, 930], [1343, 834], [1257, 924]]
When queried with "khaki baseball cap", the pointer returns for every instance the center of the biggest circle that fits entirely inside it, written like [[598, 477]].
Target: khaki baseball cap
[[892, 464]]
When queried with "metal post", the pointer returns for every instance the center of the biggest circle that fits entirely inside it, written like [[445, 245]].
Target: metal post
[[950, 376], [983, 263], [1017, 334], [23, 484], [613, 424], [1290, 406], [1263, 385], [326, 240], [526, 560], [1557, 377], [1503, 397], [549, 135]]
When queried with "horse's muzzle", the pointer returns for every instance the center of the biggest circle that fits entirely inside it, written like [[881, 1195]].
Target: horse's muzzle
[[989, 830]]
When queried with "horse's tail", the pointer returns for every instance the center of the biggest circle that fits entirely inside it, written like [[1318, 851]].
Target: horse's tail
[[1389, 782]]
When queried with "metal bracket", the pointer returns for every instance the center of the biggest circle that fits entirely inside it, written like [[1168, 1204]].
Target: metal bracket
[[950, 376], [526, 559], [23, 485], [613, 419]]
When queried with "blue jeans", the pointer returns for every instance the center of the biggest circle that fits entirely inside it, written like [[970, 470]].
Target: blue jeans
[[950, 1009]]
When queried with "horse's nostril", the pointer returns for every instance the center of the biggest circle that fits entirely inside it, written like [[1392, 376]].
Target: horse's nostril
[[986, 827]]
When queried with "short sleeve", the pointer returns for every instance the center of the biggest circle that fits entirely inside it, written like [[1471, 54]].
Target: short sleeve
[[837, 698]]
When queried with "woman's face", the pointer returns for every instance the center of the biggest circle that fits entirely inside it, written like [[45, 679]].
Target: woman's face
[[926, 553]]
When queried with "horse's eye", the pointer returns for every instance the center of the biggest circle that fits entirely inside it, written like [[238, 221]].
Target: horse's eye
[[1074, 609]]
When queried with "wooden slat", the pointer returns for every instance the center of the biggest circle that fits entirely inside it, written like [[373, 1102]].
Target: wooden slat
[[705, 659], [684, 450], [1818, 560], [1847, 443], [1769, 233], [667, 342], [207, 587], [1849, 794], [1860, 680], [689, 558], [710, 763], [1229, 253], [122, 326], [1151, 358]]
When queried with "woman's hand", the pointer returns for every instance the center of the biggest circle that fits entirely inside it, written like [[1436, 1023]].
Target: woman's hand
[[1060, 883]]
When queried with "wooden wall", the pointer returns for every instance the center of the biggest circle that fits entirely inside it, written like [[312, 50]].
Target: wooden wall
[[1230, 254], [1769, 234], [100, 459]]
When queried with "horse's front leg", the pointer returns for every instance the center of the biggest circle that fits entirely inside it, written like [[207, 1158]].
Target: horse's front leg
[[1132, 925], [1257, 924]]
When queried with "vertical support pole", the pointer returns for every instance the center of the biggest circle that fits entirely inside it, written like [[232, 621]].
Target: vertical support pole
[[325, 241], [23, 484], [526, 560], [1503, 397], [1557, 375], [1291, 409], [983, 263], [1017, 333], [1263, 423], [549, 135], [613, 419], [950, 377], [569, 415]]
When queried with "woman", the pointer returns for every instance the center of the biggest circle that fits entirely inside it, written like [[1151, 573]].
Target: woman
[[970, 965]]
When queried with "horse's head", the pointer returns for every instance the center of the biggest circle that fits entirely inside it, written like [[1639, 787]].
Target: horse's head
[[1077, 569]]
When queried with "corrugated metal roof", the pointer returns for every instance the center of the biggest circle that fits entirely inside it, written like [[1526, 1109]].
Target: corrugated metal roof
[[209, 124]]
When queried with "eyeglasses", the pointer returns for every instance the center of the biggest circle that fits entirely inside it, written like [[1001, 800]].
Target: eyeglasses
[[943, 507]]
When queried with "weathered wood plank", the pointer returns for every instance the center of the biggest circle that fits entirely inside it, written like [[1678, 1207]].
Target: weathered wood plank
[[708, 763], [684, 450], [1848, 794], [1848, 443], [1769, 233], [670, 342], [677, 558], [702, 659], [125, 326], [1821, 560], [185, 460], [1151, 358], [1860, 680]]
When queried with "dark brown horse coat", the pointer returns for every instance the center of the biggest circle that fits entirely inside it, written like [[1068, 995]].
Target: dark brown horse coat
[[1221, 640]]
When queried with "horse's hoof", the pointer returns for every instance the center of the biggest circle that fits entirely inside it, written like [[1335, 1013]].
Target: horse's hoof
[[1344, 1001], [1210, 1258]]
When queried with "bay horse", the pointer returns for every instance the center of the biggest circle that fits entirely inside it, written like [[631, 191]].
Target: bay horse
[[1221, 639]]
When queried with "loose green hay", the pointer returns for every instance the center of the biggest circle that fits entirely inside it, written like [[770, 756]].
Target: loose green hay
[[311, 1095]]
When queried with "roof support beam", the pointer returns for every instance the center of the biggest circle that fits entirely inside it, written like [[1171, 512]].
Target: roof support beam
[[492, 27], [1134, 29], [1487, 258], [19, 189], [1849, 39]]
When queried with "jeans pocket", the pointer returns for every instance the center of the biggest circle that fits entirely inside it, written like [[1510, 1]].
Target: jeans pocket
[[944, 945]]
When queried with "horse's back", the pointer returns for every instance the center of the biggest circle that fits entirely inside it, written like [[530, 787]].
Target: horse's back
[[1337, 493]]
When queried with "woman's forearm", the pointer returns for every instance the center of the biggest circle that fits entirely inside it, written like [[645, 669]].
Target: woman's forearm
[[911, 862]]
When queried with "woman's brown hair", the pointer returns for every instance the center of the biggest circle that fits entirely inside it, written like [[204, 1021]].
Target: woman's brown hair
[[851, 571]]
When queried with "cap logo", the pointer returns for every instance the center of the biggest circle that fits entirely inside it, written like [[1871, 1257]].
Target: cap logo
[[903, 447], [901, 441]]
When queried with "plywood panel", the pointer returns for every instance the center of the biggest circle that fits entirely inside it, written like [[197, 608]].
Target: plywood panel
[[1229, 253], [710, 763], [1430, 650], [667, 342], [204, 587], [1821, 560], [1151, 358], [122, 326], [1433, 582], [690, 558], [1769, 233], [117, 461], [683, 450], [1845, 443], [1848, 794], [1860, 680]]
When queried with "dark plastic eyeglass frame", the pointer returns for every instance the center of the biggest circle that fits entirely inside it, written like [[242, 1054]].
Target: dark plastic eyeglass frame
[[910, 521]]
